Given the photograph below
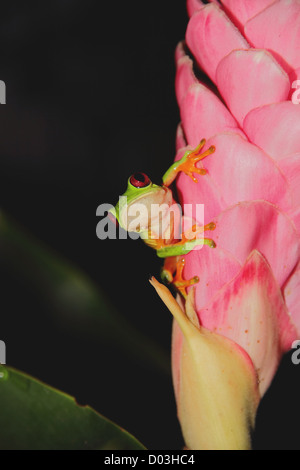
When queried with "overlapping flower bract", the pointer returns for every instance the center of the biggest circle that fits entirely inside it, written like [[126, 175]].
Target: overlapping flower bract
[[249, 285]]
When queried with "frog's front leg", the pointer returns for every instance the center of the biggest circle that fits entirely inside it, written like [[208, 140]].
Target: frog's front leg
[[187, 164], [171, 273]]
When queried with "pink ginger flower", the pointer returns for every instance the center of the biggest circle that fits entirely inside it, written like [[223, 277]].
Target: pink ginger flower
[[246, 310]]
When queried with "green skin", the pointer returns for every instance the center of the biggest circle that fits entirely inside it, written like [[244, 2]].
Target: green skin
[[152, 194]]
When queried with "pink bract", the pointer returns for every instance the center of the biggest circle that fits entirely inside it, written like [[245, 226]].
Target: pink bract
[[249, 284]]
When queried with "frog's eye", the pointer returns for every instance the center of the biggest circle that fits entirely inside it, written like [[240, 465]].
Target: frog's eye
[[139, 180]]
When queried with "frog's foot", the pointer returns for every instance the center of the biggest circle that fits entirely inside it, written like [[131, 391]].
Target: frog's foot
[[172, 274], [189, 240], [189, 160], [180, 283], [192, 233], [187, 164]]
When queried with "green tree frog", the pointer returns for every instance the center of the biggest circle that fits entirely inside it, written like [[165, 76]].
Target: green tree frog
[[151, 211]]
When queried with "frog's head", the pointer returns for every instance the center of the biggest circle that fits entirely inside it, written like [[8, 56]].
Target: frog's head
[[136, 203]]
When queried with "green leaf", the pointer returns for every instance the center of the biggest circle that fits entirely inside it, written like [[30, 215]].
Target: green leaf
[[34, 416]]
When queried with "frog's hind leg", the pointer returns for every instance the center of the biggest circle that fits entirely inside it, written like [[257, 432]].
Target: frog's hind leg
[[172, 273], [169, 269]]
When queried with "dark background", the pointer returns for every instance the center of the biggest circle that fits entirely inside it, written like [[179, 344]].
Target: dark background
[[90, 99]]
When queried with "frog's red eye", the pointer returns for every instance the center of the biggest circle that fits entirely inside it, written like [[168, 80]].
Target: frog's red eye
[[139, 180]]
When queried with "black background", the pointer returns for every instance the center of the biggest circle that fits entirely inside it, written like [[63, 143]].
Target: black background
[[90, 99]]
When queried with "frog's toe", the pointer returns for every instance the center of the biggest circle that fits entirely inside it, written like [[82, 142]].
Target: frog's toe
[[166, 276]]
